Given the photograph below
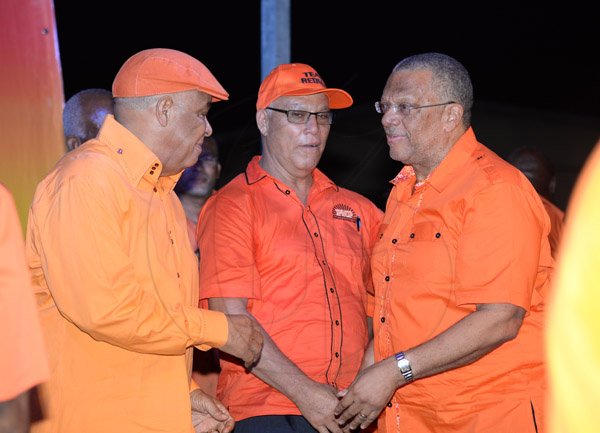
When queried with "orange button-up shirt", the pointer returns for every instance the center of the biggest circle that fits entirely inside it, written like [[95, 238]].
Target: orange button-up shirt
[[557, 221], [475, 232], [305, 271], [116, 286], [23, 361]]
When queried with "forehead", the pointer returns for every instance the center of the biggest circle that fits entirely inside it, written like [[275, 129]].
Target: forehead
[[194, 99], [298, 102], [413, 83]]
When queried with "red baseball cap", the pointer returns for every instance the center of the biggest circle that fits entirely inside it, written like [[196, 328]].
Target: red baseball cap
[[162, 70], [298, 79]]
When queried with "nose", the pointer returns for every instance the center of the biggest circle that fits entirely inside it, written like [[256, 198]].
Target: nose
[[390, 118], [208, 128], [311, 122]]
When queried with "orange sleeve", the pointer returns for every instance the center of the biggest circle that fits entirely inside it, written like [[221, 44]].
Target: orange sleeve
[[94, 283], [23, 360], [499, 251]]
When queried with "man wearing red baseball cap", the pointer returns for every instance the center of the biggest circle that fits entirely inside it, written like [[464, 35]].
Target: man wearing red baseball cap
[[292, 252], [115, 276]]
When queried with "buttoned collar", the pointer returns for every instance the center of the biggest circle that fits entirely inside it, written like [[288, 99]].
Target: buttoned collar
[[142, 166]]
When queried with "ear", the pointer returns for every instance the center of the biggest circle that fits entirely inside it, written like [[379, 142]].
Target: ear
[[72, 142], [262, 121], [163, 105], [218, 170], [452, 117]]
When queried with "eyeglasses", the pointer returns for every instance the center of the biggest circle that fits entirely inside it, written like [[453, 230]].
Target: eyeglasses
[[403, 109], [301, 117]]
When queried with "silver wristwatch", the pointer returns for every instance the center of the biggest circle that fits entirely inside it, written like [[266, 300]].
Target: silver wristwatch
[[404, 366]]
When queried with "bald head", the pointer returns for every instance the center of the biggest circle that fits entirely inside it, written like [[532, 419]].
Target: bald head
[[537, 167], [83, 115]]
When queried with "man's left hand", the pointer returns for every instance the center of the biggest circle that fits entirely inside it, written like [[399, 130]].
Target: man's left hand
[[208, 414]]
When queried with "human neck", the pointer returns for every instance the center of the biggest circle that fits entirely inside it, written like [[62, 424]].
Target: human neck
[[300, 182]]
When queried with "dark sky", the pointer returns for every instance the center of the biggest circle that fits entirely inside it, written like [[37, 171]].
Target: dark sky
[[525, 56], [530, 56]]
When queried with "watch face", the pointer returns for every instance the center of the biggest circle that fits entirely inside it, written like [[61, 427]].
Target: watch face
[[404, 365]]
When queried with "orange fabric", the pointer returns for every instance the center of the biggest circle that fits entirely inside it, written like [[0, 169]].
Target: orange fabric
[[23, 363], [573, 337], [115, 281], [298, 79], [305, 271], [557, 221], [475, 232], [162, 70]]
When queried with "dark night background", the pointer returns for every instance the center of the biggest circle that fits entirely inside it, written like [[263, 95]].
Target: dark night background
[[533, 68]]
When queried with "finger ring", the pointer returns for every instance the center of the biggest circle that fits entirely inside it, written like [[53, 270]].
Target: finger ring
[[361, 415]]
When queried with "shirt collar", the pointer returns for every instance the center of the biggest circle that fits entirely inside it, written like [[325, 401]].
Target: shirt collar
[[443, 174], [255, 173], [142, 166]]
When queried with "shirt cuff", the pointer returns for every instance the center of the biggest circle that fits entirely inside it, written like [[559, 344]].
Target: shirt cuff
[[215, 329]]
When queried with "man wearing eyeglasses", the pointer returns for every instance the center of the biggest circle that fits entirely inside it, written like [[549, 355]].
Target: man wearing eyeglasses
[[285, 245], [461, 272]]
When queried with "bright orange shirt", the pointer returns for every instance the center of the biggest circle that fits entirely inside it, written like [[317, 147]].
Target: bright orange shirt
[[474, 232], [23, 360], [557, 221], [116, 286], [573, 337], [305, 271]]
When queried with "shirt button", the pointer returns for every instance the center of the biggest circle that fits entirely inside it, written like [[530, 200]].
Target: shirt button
[[412, 235], [383, 320], [331, 289], [316, 234], [337, 355], [324, 262], [154, 189], [337, 322], [389, 404], [387, 278], [437, 235], [288, 192], [394, 241]]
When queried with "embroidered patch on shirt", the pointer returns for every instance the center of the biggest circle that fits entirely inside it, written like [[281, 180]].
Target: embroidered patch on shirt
[[343, 212]]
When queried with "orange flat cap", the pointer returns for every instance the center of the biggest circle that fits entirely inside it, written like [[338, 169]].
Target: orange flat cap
[[163, 70], [298, 79]]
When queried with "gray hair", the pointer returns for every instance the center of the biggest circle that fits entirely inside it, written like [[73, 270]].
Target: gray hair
[[450, 79], [137, 103]]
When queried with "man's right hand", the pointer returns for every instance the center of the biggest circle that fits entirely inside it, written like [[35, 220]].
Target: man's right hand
[[245, 339]]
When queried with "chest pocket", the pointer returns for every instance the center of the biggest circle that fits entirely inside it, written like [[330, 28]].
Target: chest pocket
[[428, 249]]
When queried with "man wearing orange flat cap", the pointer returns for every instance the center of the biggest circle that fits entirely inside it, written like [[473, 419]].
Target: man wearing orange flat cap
[[293, 253], [115, 276]]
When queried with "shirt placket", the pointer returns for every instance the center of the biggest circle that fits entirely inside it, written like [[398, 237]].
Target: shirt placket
[[331, 294]]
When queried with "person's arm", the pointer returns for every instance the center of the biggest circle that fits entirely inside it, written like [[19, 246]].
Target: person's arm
[[93, 281], [316, 401], [477, 334]]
